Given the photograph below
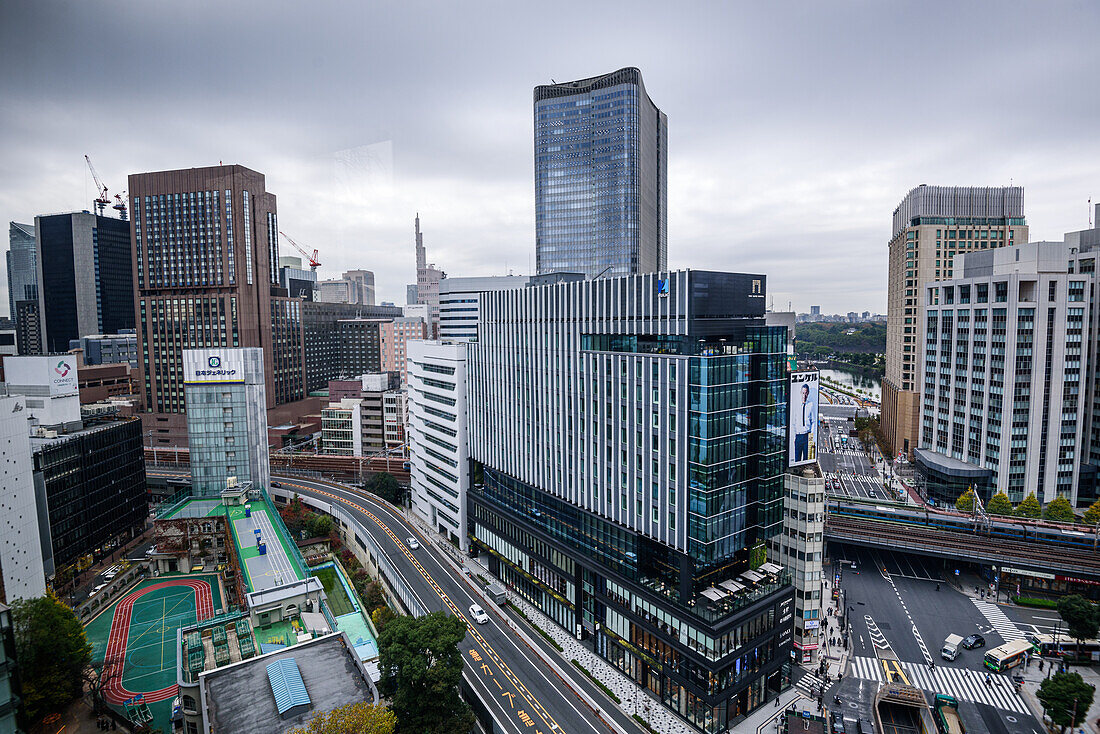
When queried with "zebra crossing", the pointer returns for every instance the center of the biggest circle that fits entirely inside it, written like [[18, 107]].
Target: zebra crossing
[[811, 685], [964, 684], [1001, 623]]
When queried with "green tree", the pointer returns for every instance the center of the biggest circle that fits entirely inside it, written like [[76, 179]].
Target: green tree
[[1059, 510], [999, 504], [1081, 617], [387, 487], [1092, 515], [373, 596], [1066, 698], [318, 525], [1030, 507], [355, 718], [421, 667], [53, 653], [382, 616], [965, 502]]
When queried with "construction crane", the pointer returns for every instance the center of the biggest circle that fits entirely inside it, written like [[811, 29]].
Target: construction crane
[[101, 201], [314, 263], [120, 205]]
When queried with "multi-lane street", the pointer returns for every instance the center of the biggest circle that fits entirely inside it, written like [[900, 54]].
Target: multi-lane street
[[900, 609], [523, 692], [848, 469]]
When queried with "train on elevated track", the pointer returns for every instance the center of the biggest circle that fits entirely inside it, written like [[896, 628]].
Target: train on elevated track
[[1079, 537]]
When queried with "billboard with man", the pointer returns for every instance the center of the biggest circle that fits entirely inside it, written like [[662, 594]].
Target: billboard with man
[[802, 434]]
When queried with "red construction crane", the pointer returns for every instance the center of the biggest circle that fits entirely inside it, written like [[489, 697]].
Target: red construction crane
[[101, 201], [314, 263]]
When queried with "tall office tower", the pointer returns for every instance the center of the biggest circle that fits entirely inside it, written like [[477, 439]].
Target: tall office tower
[[601, 177], [364, 281], [205, 244], [1002, 407], [22, 271], [932, 224], [439, 474], [396, 335], [1088, 489], [337, 350], [641, 476], [427, 283], [299, 282], [21, 563], [226, 420], [85, 276]]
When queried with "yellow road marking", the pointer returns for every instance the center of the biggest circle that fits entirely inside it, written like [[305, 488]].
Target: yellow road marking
[[512, 678]]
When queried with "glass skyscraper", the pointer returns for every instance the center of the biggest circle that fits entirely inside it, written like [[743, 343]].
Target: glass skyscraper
[[601, 170], [640, 478]]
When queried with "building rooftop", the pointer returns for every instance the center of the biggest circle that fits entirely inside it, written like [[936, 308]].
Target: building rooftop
[[239, 697]]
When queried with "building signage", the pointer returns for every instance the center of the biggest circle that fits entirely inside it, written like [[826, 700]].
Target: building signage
[[62, 377], [811, 624], [1024, 572], [802, 419], [810, 646], [662, 287], [1075, 580], [213, 366]]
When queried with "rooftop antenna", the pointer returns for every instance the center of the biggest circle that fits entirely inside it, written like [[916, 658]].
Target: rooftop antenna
[[1090, 212]]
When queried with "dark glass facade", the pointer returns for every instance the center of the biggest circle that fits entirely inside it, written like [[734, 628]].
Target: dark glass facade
[[711, 662], [333, 351], [600, 177], [93, 485]]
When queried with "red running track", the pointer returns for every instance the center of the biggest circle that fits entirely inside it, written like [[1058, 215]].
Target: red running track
[[114, 691]]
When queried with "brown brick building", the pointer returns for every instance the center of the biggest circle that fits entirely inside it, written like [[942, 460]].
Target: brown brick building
[[205, 268]]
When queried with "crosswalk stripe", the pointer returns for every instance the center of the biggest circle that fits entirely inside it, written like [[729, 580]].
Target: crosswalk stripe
[[997, 618], [965, 684]]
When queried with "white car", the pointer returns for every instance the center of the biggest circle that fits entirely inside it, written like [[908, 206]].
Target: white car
[[411, 542], [479, 614]]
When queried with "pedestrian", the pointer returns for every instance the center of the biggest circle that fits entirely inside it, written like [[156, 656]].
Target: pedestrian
[[777, 700], [1040, 665]]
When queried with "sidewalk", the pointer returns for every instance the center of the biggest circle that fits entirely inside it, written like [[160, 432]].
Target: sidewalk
[[1033, 677]]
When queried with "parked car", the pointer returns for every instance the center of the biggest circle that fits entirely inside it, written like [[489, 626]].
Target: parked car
[[411, 542], [479, 614], [972, 641]]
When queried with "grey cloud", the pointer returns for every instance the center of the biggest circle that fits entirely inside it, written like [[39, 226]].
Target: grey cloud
[[794, 129]]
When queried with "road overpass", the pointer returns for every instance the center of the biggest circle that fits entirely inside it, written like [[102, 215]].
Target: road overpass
[[523, 689]]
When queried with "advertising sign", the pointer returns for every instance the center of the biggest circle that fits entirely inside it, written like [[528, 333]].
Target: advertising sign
[[213, 366], [62, 376], [802, 428]]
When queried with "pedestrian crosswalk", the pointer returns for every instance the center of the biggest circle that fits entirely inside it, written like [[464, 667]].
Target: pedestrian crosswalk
[[811, 685], [1004, 626], [964, 684]]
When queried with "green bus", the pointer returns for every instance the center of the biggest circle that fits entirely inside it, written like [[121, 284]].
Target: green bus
[[1008, 655]]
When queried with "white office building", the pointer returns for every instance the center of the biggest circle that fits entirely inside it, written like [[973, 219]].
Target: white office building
[[342, 428], [226, 418], [1004, 377], [20, 545], [438, 449]]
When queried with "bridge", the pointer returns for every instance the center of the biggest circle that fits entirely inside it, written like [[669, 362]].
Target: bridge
[[518, 684], [973, 545]]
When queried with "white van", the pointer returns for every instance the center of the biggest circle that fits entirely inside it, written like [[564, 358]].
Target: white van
[[951, 645]]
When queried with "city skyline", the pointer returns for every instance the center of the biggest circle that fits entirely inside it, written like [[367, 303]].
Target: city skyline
[[797, 143]]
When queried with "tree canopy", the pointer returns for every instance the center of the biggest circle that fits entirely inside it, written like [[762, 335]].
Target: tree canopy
[[965, 502], [1066, 698], [1092, 515], [355, 718], [421, 666], [387, 487], [1030, 507], [999, 504], [53, 654], [1080, 615], [1059, 510]]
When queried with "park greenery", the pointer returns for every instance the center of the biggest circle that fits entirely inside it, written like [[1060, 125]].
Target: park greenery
[[53, 653], [1058, 510], [421, 666], [999, 504], [1092, 514], [384, 485], [355, 718], [864, 347], [965, 502], [1081, 617]]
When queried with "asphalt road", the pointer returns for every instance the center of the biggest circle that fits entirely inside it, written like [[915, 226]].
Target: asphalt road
[[523, 692], [898, 624], [849, 470]]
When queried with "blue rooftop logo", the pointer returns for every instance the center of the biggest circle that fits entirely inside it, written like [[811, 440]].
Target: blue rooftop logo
[[214, 362]]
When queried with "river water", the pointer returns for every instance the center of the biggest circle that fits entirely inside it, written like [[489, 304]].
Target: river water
[[856, 381]]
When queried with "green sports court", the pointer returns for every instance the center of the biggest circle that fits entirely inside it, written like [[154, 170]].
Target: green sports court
[[139, 632]]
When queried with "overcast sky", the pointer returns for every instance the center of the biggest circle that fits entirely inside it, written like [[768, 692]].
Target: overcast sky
[[794, 128]]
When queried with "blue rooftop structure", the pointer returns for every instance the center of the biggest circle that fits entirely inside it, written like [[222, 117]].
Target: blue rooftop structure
[[286, 681]]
